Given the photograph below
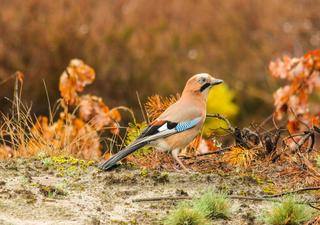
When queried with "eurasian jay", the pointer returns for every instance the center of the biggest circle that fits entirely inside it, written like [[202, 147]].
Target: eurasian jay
[[178, 125]]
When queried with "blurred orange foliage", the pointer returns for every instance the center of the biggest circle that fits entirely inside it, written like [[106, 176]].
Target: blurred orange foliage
[[303, 75], [153, 47]]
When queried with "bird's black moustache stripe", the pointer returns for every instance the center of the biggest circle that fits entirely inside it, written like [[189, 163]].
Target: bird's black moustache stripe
[[204, 87]]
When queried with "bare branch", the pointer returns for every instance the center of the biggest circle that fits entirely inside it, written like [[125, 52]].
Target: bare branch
[[250, 198], [293, 192], [220, 117]]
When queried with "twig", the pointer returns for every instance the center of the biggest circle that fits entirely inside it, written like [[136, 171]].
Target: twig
[[274, 121], [252, 198], [312, 139], [220, 117], [298, 119], [315, 207], [264, 122], [145, 118], [292, 192], [302, 141], [317, 129], [291, 137], [309, 134]]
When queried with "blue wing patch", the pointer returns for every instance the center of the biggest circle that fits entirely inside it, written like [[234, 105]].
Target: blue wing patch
[[187, 124]]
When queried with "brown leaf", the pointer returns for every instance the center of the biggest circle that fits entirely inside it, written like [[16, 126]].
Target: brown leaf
[[67, 87], [74, 79]]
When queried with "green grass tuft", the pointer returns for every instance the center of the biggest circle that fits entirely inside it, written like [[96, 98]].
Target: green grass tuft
[[287, 213], [185, 215], [213, 205]]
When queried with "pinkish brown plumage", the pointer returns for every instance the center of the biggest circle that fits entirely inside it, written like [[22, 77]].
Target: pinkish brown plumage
[[178, 125]]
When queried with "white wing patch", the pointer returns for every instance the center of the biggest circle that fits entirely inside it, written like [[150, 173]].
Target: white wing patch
[[163, 127]]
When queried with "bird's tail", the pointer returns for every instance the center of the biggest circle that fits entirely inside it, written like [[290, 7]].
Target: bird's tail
[[120, 155]]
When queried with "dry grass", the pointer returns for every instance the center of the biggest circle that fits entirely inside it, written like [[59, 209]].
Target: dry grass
[[75, 126]]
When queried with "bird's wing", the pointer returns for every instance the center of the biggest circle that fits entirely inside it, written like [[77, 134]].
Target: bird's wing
[[161, 128]]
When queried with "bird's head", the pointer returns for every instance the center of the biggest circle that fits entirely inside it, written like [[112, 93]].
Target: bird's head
[[201, 84]]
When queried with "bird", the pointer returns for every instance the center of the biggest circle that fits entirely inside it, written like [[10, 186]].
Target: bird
[[177, 126]]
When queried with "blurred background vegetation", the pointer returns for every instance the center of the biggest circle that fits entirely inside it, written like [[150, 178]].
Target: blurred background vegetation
[[154, 47]]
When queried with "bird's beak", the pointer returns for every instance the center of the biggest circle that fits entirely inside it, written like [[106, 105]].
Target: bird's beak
[[216, 82]]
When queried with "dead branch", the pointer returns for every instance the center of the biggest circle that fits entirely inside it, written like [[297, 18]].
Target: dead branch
[[302, 141], [292, 192], [314, 207], [250, 198], [270, 142], [312, 139], [317, 129], [153, 199], [264, 122]]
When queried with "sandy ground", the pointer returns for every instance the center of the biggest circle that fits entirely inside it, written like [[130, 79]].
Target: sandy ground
[[33, 191]]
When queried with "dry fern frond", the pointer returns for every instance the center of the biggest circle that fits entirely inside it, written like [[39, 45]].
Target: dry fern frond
[[239, 156], [157, 105]]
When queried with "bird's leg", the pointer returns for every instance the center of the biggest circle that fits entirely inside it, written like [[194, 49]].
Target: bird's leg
[[175, 153]]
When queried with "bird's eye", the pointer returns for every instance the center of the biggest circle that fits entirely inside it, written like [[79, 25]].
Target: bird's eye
[[202, 80]]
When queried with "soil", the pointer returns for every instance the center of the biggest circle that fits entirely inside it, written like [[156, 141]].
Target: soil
[[42, 191]]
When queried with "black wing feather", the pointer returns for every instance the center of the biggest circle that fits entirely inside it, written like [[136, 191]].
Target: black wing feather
[[153, 129]]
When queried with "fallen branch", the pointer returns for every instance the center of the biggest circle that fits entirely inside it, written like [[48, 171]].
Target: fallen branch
[[161, 198], [250, 198], [315, 207], [292, 192]]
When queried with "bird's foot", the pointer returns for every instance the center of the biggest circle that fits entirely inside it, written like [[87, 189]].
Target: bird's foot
[[175, 153]]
